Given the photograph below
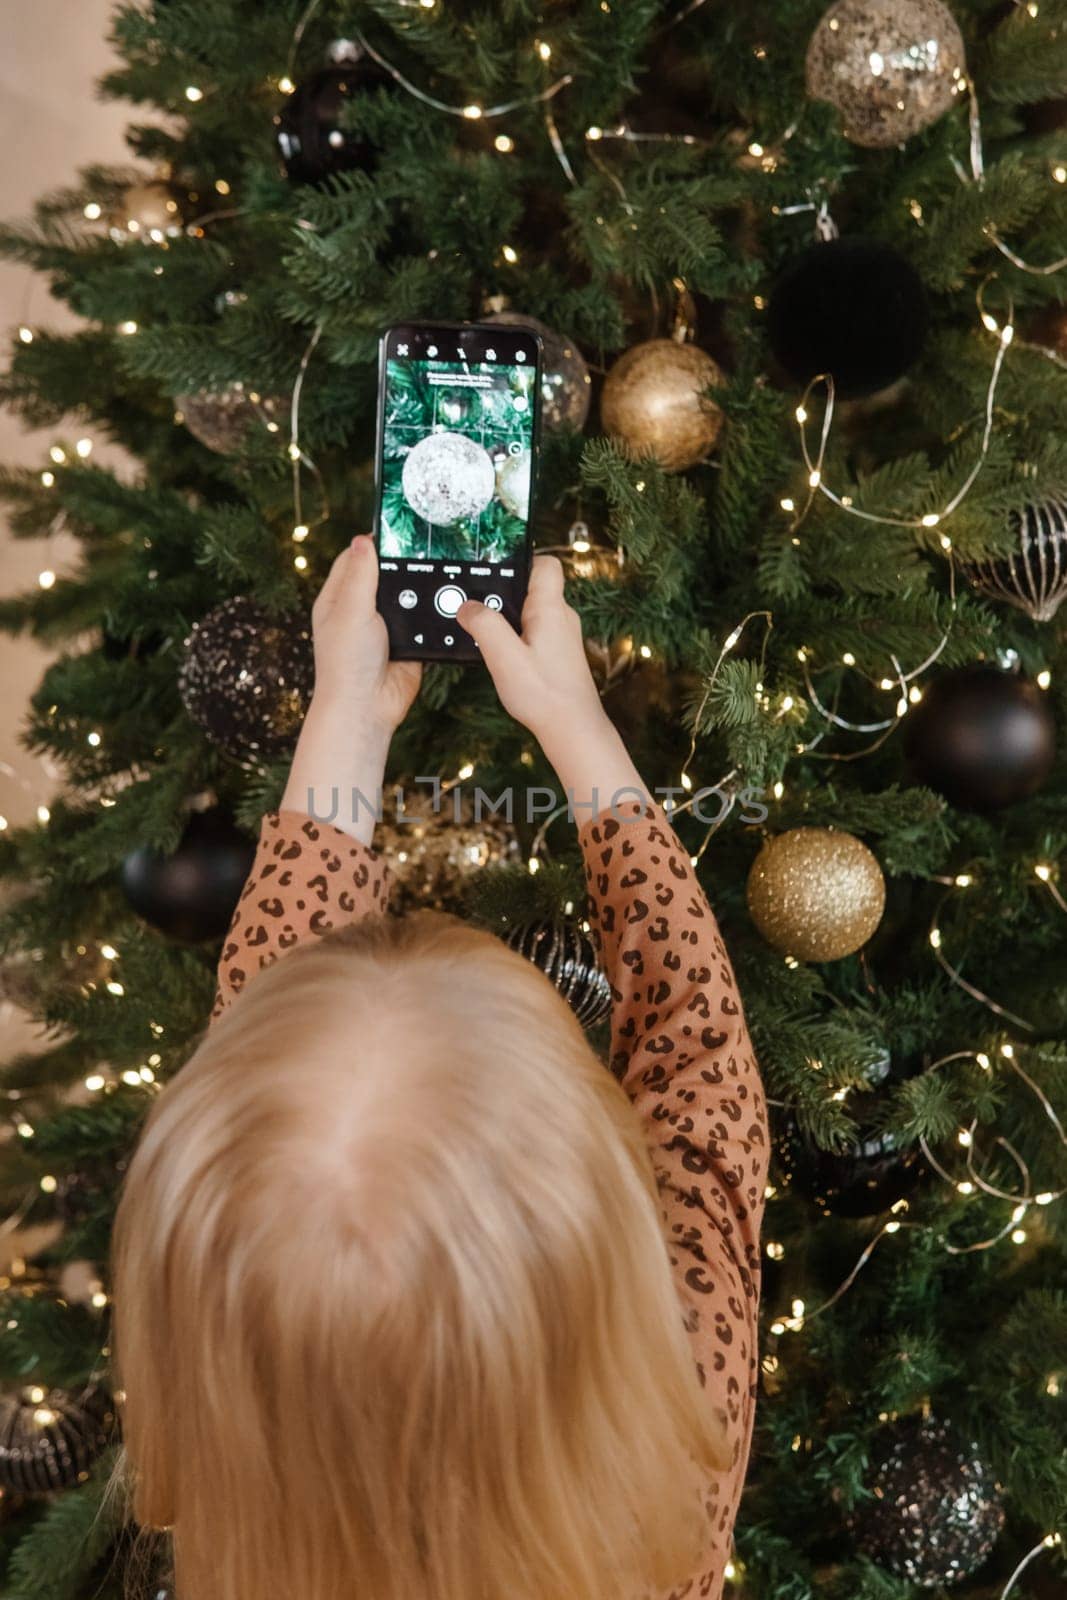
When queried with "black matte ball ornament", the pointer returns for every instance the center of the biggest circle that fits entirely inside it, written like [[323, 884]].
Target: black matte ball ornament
[[568, 957], [50, 1442], [982, 737], [191, 895], [852, 308], [866, 1178], [937, 1510], [309, 129], [246, 678]]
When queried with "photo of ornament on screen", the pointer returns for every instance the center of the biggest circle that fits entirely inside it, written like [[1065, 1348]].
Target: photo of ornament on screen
[[457, 455]]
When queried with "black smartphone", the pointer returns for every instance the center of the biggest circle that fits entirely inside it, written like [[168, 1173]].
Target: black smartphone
[[459, 410]]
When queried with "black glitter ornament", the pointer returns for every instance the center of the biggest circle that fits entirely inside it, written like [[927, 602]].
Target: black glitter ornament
[[865, 1179], [937, 1511], [982, 737], [1033, 577], [567, 956], [226, 419], [852, 308], [50, 1440], [191, 895], [308, 129], [247, 678]]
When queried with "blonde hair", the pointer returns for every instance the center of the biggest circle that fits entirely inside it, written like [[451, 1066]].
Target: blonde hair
[[394, 1316]]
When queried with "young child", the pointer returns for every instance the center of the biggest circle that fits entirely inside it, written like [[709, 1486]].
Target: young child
[[412, 1300]]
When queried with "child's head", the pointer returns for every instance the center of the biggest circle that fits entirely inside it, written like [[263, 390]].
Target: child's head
[[394, 1314]]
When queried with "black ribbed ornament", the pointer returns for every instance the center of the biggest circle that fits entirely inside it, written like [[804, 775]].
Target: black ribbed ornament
[[871, 1173], [1033, 576], [49, 1441], [567, 956]]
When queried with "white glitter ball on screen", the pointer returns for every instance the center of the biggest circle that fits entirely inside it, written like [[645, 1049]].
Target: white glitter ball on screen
[[447, 477], [513, 483]]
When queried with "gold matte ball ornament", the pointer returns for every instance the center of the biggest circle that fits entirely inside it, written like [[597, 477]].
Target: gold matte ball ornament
[[816, 894], [891, 67], [654, 402]]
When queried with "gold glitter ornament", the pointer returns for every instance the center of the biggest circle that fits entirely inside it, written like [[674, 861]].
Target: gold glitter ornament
[[653, 402], [891, 67], [431, 854], [149, 212], [816, 893], [611, 659]]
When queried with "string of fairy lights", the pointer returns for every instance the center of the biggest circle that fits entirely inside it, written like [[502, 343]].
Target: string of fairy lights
[[769, 156]]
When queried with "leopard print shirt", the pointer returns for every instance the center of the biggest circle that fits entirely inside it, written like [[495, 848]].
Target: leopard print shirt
[[679, 1046]]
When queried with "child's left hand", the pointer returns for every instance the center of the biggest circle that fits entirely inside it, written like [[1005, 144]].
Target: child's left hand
[[353, 673]]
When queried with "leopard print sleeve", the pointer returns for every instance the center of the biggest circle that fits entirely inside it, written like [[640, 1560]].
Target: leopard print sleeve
[[307, 877], [681, 1049]]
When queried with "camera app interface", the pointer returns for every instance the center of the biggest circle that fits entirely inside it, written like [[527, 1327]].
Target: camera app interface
[[458, 439]]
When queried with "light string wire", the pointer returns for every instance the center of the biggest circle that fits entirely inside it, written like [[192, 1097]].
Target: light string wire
[[977, 177], [470, 112], [1044, 874], [298, 34], [297, 454], [931, 519], [935, 939], [1047, 1543]]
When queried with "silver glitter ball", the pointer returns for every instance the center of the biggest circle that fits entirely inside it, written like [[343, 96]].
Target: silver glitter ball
[[891, 67], [448, 477], [566, 386]]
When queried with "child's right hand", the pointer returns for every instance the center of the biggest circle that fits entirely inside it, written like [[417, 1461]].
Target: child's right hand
[[543, 679], [543, 676]]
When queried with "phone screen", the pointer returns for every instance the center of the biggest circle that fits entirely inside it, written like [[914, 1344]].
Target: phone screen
[[457, 452]]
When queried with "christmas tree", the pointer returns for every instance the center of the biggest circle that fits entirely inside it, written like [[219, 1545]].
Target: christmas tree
[[805, 460]]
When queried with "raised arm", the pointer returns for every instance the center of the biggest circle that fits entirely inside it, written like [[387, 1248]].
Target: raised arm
[[309, 876], [679, 1042], [681, 1049]]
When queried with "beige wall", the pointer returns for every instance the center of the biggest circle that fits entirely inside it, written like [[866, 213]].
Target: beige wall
[[50, 125]]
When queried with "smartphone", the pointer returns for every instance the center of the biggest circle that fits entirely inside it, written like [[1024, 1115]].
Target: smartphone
[[459, 412]]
